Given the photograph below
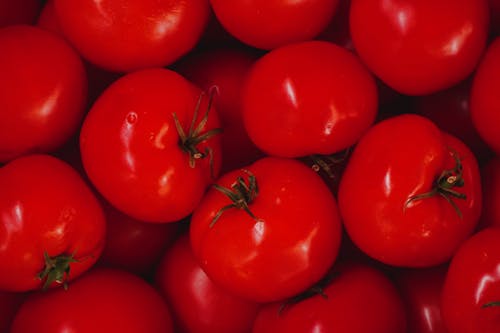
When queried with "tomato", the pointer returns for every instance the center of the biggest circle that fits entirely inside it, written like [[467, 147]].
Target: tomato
[[278, 236], [124, 36], [490, 180], [308, 98], [421, 293], [419, 47], [338, 29], [358, 299], [419, 191], [495, 15], [18, 12], [273, 23], [51, 224], [226, 69], [484, 98], [198, 305], [9, 304], [101, 301], [472, 283], [133, 152], [42, 91]]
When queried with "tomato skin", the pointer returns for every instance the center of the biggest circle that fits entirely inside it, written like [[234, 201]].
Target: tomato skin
[[18, 12], [43, 90], [473, 280], [397, 159], [9, 304], [130, 146], [273, 23], [484, 99], [101, 301], [45, 206], [291, 245], [351, 294], [308, 98], [197, 304], [420, 47], [490, 180], [124, 36]]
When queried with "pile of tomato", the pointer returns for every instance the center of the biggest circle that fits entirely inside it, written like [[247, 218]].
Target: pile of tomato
[[214, 166]]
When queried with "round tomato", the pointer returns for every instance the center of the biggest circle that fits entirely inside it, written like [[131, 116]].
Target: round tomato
[[410, 194], [149, 145], [268, 231], [18, 12], [42, 91], [308, 98], [127, 35], [198, 305], [471, 292], [101, 301], [51, 225], [420, 46], [490, 180]]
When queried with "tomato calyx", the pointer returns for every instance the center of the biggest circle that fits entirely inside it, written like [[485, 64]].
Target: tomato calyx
[[444, 186], [189, 141], [490, 304], [56, 270], [327, 163], [242, 193]]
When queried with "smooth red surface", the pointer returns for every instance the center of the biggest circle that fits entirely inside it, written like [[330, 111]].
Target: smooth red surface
[[419, 47], [473, 280], [45, 206], [18, 11], [398, 158], [9, 303], [198, 305], [308, 98], [359, 299], [490, 176], [43, 90], [101, 301], [293, 242]]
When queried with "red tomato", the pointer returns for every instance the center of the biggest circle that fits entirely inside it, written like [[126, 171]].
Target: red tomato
[[283, 238], [421, 293], [18, 11], [490, 176], [359, 299], [101, 301], [226, 69], [485, 100], [42, 91], [197, 304], [419, 47], [272, 23], [132, 150], [51, 225], [124, 36], [418, 189], [308, 98], [9, 304], [472, 283]]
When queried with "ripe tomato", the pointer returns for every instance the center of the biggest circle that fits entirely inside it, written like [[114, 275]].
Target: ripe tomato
[[9, 304], [490, 180], [273, 23], [472, 283], [418, 189], [357, 299], [124, 36], [419, 47], [51, 225], [101, 301], [198, 305], [283, 238], [485, 100], [42, 91], [18, 12], [132, 148], [308, 98]]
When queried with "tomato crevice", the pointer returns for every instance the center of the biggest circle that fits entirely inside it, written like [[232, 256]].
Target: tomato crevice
[[490, 304]]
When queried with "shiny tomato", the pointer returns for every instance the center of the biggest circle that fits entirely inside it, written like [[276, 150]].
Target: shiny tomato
[[42, 91], [51, 224], [490, 180], [268, 231], [308, 98], [18, 11], [485, 100], [420, 46], [272, 23], [410, 194], [133, 148], [124, 36], [101, 301], [198, 305], [471, 293], [358, 299]]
